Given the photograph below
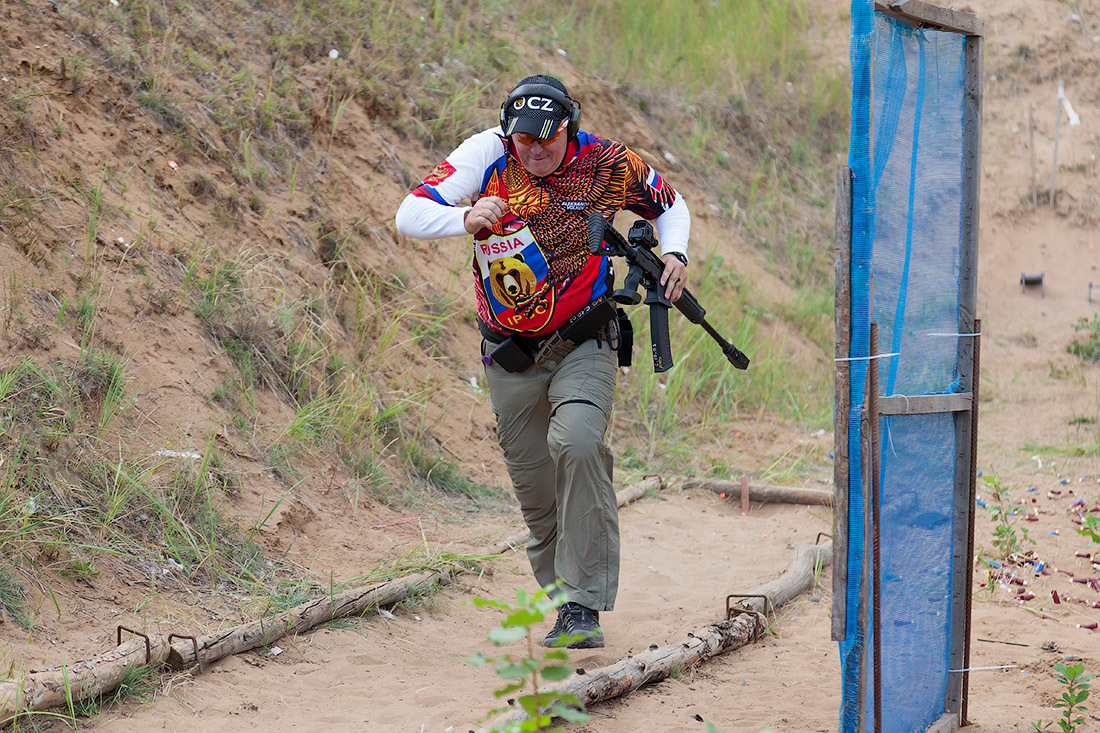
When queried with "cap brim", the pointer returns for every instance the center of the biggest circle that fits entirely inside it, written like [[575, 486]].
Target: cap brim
[[539, 127]]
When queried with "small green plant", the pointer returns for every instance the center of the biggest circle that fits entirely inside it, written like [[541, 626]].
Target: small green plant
[[77, 67], [102, 377], [523, 671], [1008, 535], [1089, 350], [1090, 527], [1073, 698]]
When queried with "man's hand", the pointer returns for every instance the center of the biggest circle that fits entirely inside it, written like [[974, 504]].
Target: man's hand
[[484, 213], [674, 278]]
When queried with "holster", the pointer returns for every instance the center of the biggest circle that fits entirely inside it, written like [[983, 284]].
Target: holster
[[516, 353]]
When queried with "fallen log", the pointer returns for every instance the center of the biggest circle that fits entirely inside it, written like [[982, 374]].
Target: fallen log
[[761, 492], [62, 686], [265, 631], [26, 692], [657, 663]]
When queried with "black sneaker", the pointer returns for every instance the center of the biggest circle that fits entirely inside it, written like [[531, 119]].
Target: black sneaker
[[580, 627], [555, 633]]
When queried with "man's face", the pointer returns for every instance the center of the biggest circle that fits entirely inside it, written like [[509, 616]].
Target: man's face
[[541, 157]]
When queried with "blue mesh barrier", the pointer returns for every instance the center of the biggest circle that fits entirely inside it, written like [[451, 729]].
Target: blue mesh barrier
[[907, 98], [915, 541]]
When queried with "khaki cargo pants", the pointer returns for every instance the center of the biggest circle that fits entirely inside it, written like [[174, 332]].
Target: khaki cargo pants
[[551, 425]]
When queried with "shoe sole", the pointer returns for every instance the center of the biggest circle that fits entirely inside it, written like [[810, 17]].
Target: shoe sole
[[592, 643]]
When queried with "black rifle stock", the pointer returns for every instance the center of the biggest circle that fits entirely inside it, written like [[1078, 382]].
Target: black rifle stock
[[645, 268]]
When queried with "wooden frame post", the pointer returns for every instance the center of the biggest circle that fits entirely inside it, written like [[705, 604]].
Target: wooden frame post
[[842, 399]]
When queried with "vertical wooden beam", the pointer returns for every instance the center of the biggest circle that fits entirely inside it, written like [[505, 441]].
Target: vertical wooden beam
[[969, 348], [841, 397], [966, 423]]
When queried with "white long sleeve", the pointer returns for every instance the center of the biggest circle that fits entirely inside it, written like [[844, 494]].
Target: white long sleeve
[[674, 227], [459, 178], [424, 218]]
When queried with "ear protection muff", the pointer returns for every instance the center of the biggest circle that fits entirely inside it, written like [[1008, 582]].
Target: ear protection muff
[[543, 90]]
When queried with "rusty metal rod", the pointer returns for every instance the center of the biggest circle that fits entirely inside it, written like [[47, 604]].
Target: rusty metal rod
[[148, 647], [876, 567]]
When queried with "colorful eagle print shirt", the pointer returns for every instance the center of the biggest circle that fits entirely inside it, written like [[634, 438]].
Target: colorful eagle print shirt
[[533, 269]]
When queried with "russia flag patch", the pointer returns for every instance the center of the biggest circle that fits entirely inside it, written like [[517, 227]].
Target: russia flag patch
[[654, 181]]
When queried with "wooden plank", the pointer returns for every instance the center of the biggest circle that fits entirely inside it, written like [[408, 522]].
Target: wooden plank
[[926, 404], [842, 397], [969, 360], [921, 14], [960, 568], [971, 187]]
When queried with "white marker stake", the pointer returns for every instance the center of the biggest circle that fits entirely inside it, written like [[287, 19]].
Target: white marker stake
[[1057, 132]]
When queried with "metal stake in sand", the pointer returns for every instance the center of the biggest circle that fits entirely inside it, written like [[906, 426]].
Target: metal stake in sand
[[876, 519], [1031, 144], [1057, 133]]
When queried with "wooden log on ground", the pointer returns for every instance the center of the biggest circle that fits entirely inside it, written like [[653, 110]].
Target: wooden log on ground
[[761, 492], [265, 631], [656, 664], [60, 686]]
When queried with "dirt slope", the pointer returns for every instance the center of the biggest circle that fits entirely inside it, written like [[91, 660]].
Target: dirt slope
[[1038, 403], [682, 552], [119, 217]]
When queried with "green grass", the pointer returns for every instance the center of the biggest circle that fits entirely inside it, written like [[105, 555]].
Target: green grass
[[13, 599], [811, 312], [442, 473], [136, 684], [1089, 349], [146, 507], [726, 48], [704, 392], [1070, 449], [20, 219], [101, 377]]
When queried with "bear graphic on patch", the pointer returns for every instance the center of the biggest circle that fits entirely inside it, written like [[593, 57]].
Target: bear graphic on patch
[[511, 279]]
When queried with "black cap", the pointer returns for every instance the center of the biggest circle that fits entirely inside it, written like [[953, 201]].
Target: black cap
[[536, 115]]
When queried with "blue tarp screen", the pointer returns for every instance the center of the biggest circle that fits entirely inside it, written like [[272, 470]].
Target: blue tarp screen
[[906, 158]]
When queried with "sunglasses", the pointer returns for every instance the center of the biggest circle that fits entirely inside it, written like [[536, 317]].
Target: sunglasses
[[526, 138]]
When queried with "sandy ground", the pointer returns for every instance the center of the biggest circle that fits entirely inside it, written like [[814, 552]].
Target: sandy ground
[[683, 552]]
